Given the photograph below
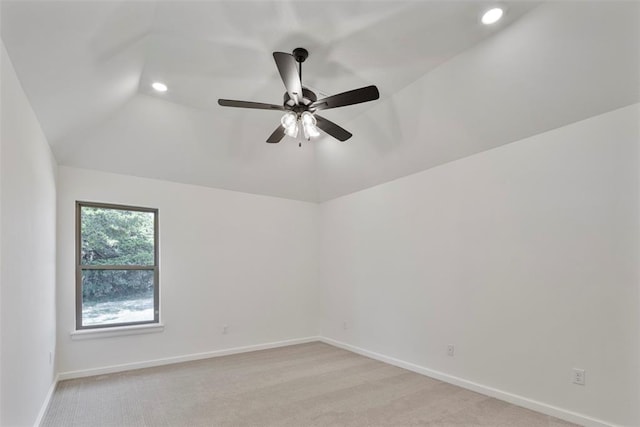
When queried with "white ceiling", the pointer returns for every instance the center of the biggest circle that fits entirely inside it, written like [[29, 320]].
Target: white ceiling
[[450, 87]]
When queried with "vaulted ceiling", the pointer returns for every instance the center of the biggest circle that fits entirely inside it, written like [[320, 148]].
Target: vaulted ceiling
[[450, 87]]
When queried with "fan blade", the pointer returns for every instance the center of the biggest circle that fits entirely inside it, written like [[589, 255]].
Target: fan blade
[[249, 104], [276, 136], [332, 129], [356, 96], [288, 68]]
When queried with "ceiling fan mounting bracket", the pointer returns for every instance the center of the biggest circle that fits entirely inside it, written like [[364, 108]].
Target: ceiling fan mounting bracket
[[300, 54]]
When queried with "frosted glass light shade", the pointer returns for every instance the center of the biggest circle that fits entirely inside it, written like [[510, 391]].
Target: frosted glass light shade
[[310, 131], [289, 119], [292, 131]]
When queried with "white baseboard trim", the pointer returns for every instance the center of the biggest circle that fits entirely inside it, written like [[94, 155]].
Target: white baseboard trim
[[47, 400], [515, 399], [179, 359], [525, 402]]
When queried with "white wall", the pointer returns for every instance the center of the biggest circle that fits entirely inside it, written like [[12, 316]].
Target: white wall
[[28, 259], [230, 258], [524, 257]]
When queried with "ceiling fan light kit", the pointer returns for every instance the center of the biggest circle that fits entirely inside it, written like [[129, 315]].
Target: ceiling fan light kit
[[290, 123], [301, 104], [309, 125]]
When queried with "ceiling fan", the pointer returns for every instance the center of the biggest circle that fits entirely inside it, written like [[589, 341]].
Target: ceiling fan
[[301, 104]]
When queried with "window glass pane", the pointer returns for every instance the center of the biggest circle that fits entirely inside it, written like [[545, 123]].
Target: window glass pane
[[116, 237], [117, 296]]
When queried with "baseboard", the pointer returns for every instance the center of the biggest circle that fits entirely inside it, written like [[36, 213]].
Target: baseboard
[[525, 402], [47, 400], [179, 359]]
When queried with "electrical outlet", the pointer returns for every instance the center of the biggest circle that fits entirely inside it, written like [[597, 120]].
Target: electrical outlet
[[344, 326], [225, 329], [578, 376], [450, 350]]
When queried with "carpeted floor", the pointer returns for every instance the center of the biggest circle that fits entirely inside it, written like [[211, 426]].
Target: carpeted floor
[[311, 384]]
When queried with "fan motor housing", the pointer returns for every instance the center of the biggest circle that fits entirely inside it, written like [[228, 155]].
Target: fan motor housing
[[308, 97]]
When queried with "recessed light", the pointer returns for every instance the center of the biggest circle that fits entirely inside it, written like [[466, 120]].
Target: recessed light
[[492, 16], [160, 87]]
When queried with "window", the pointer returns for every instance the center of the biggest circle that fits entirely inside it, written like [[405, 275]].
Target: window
[[116, 265]]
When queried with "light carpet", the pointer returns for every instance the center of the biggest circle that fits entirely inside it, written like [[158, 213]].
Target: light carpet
[[312, 384]]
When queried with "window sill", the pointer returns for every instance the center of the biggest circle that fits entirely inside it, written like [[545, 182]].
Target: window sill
[[118, 331]]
